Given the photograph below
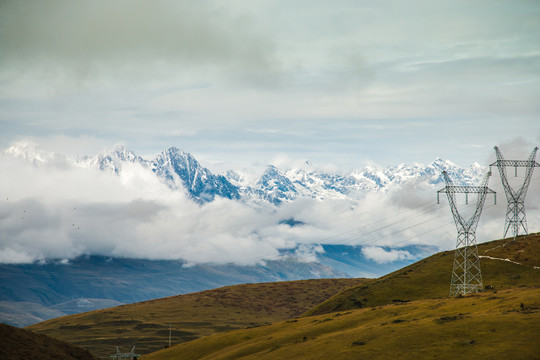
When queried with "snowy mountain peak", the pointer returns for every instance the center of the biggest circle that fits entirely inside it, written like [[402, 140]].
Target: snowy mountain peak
[[111, 159], [125, 154], [173, 150], [277, 185], [181, 171], [173, 155], [440, 163]]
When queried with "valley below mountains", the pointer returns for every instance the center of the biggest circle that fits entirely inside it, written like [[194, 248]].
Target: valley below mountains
[[406, 314], [39, 291], [31, 293]]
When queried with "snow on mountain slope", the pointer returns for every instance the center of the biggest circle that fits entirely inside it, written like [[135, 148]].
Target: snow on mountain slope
[[277, 185], [112, 160], [179, 170]]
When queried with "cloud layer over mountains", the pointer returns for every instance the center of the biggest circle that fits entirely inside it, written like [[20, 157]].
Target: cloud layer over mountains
[[52, 207]]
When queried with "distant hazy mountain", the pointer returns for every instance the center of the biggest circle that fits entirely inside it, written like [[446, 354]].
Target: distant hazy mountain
[[42, 290], [53, 288]]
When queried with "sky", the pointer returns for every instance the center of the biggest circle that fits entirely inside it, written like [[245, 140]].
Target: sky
[[346, 83], [241, 83]]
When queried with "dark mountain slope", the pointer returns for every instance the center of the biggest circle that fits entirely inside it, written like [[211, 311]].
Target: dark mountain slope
[[21, 344]]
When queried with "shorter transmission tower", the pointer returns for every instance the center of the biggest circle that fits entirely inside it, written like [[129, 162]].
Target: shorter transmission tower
[[515, 211], [128, 356], [466, 273]]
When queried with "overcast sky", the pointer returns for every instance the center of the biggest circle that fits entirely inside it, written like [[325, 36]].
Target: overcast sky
[[249, 82], [336, 82]]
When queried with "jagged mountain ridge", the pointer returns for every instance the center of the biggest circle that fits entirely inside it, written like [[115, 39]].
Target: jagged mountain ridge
[[285, 185], [180, 170], [176, 167], [112, 160]]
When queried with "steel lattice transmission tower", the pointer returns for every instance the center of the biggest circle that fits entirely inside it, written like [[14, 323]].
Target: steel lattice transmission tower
[[466, 273], [128, 356], [515, 211]]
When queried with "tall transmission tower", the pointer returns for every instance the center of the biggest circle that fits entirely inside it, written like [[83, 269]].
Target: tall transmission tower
[[515, 211], [466, 273]]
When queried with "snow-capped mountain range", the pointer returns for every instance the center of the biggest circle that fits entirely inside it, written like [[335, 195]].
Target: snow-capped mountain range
[[180, 171]]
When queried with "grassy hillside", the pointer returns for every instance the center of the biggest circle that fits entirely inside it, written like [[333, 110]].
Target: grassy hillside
[[146, 324], [505, 263], [374, 314], [501, 324], [21, 344]]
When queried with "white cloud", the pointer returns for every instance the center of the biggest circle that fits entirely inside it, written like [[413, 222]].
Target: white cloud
[[11, 256], [381, 256], [308, 252], [53, 209]]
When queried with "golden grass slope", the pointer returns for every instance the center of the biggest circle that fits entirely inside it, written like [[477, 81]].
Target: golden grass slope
[[146, 324], [505, 263], [500, 324], [406, 315]]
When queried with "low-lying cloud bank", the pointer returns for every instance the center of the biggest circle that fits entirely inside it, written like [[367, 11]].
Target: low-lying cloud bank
[[54, 209]]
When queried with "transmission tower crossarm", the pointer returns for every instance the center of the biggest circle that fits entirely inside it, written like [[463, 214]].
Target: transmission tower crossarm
[[451, 190], [515, 163], [467, 189]]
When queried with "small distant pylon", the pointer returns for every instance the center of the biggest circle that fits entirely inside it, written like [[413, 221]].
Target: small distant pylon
[[466, 273], [515, 211], [130, 355]]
